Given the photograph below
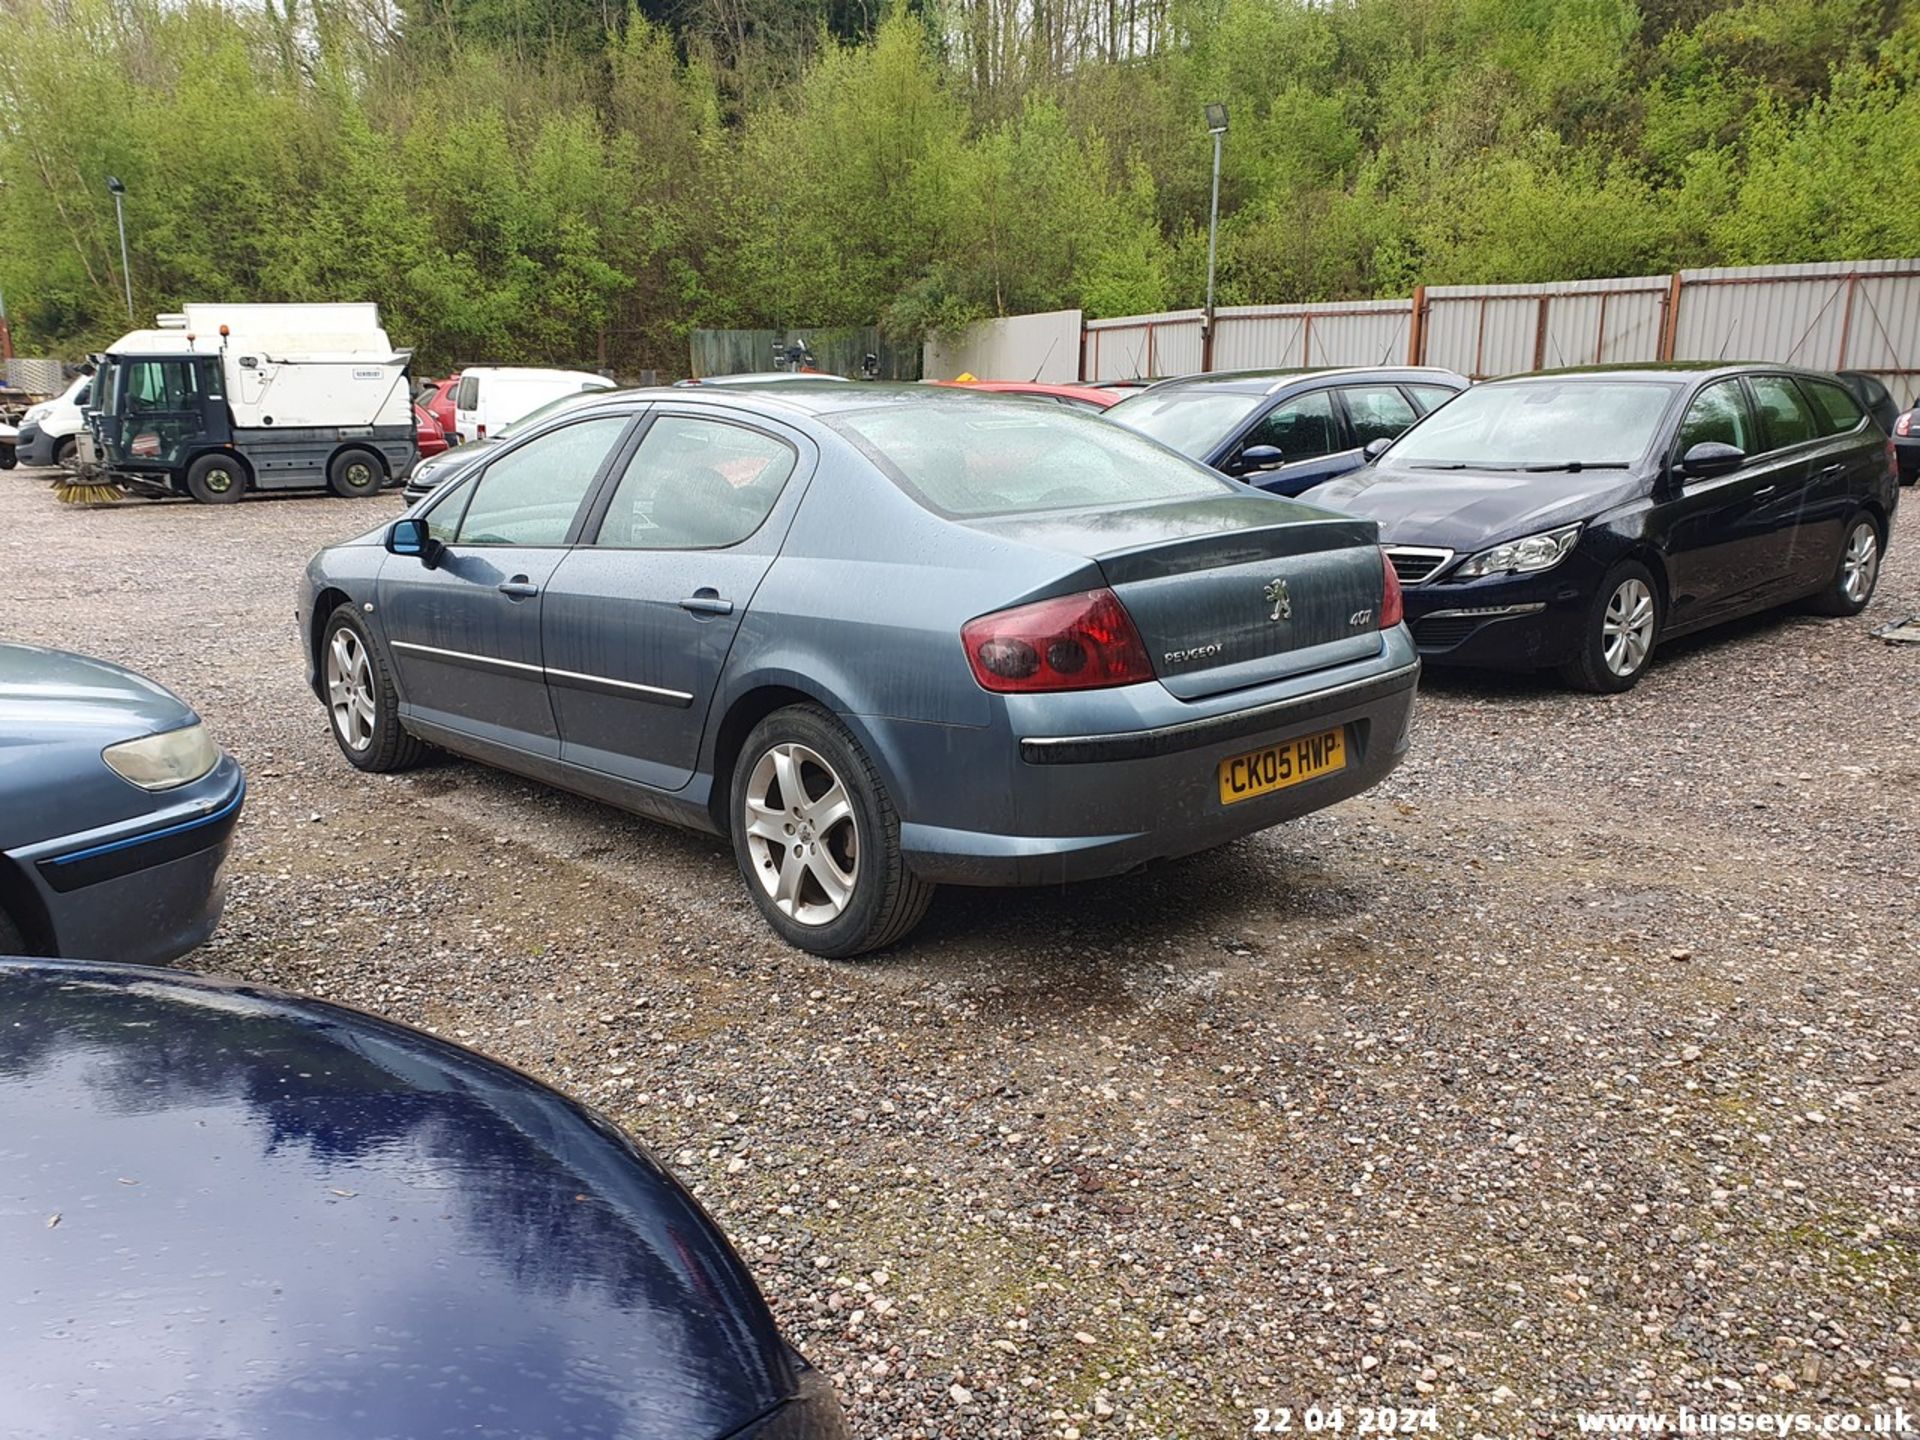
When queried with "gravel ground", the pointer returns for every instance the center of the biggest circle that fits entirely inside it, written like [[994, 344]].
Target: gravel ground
[[1573, 1068]]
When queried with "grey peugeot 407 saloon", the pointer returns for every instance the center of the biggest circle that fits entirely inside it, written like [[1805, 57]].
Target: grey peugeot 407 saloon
[[880, 638]]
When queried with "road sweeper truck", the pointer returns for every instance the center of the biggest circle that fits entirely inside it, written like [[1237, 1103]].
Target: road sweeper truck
[[218, 400]]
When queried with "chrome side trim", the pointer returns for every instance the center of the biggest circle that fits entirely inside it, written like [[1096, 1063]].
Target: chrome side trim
[[1233, 725], [633, 687], [565, 677], [462, 657]]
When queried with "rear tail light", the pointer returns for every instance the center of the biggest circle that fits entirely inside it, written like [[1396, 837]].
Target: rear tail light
[[1904, 425], [1393, 603], [480, 431], [1076, 642]]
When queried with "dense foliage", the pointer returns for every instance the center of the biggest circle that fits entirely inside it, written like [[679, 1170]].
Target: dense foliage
[[559, 180]]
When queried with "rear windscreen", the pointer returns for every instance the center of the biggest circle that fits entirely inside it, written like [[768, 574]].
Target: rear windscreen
[[975, 460]]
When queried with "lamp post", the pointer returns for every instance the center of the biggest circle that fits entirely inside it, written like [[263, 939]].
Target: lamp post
[[119, 214], [1216, 127]]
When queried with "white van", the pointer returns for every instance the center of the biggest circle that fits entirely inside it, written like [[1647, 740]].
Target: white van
[[490, 396], [49, 431]]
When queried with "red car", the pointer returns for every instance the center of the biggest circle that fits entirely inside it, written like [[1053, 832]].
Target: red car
[[430, 436], [436, 397], [1077, 397]]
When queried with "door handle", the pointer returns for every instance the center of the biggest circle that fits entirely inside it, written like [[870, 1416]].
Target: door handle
[[706, 601], [518, 588], [1833, 469], [1764, 491]]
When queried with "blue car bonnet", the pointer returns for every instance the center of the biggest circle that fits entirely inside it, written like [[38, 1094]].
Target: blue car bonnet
[[230, 1212]]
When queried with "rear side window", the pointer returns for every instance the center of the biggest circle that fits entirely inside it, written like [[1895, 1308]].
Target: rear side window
[[1837, 411], [468, 397], [696, 485], [1719, 416], [1784, 413], [975, 459], [530, 495], [1378, 412], [1300, 429]]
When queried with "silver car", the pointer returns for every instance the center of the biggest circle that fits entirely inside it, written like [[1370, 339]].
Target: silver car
[[883, 638]]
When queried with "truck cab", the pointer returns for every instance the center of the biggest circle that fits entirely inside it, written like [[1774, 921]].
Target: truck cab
[[307, 396]]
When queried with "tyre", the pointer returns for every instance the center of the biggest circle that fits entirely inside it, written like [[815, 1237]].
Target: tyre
[[9, 457], [1855, 573], [356, 474], [363, 708], [64, 449], [817, 838], [12, 942], [216, 479], [1617, 638]]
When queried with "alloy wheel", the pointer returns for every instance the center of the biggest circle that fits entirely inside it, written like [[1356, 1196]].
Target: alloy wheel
[[802, 834], [219, 481], [350, 689], [1860, 565], [1626, 632], [359, 475]]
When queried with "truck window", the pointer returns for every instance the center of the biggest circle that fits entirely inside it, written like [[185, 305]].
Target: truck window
[[154, 386], [469, 396]]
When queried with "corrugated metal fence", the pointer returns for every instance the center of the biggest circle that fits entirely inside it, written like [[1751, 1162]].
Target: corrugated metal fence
[[1843, 315]]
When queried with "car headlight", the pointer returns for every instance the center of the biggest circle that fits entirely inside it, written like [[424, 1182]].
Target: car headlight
[[1534, 552], [166, 760]]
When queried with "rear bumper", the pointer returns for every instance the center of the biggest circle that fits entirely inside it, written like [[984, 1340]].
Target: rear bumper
[[1087, 802], [143, 891], [1906, 452]]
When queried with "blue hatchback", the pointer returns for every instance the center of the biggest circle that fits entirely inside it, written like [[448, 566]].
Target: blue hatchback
[[1286, 431]]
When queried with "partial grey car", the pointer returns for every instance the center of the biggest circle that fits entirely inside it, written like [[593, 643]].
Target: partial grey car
[[116, 812], [883, 638]]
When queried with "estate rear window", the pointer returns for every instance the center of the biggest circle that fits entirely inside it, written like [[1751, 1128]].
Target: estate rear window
[[976, 460]]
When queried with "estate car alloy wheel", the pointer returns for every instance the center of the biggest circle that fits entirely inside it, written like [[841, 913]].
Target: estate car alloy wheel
[[1857, 573], [362, 703], [817, 837], [1623, 621]]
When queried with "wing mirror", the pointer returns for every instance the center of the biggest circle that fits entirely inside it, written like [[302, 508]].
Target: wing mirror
[[1258, 457], [1375, 448], [1710, 458], [410, 537]]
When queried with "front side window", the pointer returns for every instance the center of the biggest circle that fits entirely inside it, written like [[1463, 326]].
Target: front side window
[[530, 495], [975, 460], [1837, 410], [1302, 428], [159, 386], [1783, 411], [1538, 425], [1719, 416], [1378, 412], [1431, 397], [696, 485]]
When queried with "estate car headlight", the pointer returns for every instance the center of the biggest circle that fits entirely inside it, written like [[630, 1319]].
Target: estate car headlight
[[1524, 556], [163, 761]]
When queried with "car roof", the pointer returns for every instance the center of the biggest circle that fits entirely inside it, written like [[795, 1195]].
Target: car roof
[[329, 1212], [1661, 370], [1266, 382], [533, 372]]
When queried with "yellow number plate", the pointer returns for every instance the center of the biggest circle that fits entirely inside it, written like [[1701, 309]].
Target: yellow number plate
[[1261, 772]]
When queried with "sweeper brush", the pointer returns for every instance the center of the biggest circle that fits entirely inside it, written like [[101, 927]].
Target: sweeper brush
[[84, 483]]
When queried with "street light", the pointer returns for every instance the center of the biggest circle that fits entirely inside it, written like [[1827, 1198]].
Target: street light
[[1216, 127], [119, 213]]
